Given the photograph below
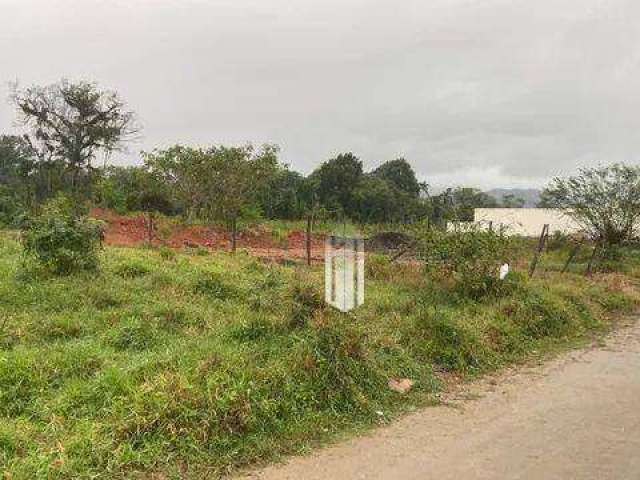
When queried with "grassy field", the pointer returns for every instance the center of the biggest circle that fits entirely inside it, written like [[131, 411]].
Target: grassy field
[[172, 364]]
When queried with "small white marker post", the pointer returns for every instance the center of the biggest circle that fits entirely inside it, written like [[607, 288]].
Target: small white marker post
[[504, 271], [344, 272]]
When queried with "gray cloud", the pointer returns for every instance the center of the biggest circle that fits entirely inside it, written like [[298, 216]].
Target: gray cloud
[[486, 93]]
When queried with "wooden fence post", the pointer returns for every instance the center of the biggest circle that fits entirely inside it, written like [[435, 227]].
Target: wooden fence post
[[233, 235], [308, 240], [150, 228], [588, 271], [541, 242]]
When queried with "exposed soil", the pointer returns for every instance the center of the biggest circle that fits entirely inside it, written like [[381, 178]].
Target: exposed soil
[[257, 240], [577, 417]]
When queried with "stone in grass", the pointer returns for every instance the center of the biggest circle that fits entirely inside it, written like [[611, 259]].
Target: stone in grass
[[400, 385]]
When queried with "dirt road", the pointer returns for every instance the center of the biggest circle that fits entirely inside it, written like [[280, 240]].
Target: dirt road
[[576, 417]]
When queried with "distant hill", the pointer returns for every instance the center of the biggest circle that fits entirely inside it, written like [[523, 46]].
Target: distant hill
[[531, 196]]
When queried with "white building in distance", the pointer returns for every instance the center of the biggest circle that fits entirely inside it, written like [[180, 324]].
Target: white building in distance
[[527, 222]]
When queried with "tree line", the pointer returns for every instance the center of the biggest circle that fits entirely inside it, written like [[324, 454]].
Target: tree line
[[68, 126]]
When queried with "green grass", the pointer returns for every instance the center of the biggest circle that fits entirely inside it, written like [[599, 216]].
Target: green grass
[[189, 366]]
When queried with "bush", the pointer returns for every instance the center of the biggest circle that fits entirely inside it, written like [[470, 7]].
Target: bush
[[470, 260], [132, 269], [62, 239]]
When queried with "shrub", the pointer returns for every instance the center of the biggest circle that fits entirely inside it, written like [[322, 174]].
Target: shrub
[[167, 253], [132, 269], [540, 314], [469, 260], [62, 239]]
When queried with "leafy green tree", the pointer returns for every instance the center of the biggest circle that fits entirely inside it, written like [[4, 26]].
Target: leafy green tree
[[376, 200], [69, 123], [16, 160], [133, 188], [441, 207], [113, 186], [379, 201], [335, 183], [466, 199], [605, 201], [17, 186], [399, 174], [458, 204], [216, 184], [284, 195]]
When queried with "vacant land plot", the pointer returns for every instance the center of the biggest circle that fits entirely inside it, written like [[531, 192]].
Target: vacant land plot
[[166, 363]]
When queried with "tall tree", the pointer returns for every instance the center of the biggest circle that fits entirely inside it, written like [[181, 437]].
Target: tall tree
[[216, 184], [284, 195], [399, 174], [16, 160], [377, 201], [17, 185], [605, 201], [336, 181], [69, 123]]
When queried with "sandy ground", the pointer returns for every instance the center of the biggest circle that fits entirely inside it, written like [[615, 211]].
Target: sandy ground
[[575, 417]]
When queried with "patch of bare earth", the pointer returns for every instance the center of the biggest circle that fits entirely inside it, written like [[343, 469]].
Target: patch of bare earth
[[258, 240]]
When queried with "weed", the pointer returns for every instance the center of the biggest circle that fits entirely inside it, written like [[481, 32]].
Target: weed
[[213, 285], [166, 253], [131, 334], [306, 302], [132, 269], [448, 343], [378, 266]]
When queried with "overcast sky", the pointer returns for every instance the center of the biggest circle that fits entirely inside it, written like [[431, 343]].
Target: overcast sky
[[485, 93]]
